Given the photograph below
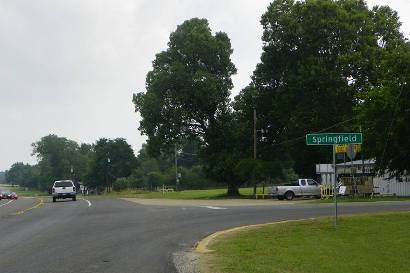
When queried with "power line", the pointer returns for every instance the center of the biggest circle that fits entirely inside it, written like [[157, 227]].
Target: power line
[[334, 125], [320, 131]]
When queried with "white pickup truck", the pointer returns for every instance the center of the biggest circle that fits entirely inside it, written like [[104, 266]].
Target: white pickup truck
[[301, 187], [64, 189]]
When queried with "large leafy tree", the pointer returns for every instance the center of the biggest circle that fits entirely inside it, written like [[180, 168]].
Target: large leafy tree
[[385, 114], [59, 158], [226, 146], [187, 96], [113, 158], [317, 57], [188, 87]]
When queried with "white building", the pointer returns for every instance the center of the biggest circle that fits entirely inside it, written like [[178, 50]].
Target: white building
[[364, 170]]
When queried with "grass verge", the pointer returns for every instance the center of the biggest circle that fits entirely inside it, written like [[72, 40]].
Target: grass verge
[[246, 193], [186, 194], [369, 243]]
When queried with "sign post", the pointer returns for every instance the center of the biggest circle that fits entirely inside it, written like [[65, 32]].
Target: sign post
[[334, 139], [334, 183]]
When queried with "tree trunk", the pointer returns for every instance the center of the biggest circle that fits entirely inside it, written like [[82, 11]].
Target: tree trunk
[[233, 190]]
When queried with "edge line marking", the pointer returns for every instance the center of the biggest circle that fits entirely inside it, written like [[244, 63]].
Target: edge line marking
[[89, 203]]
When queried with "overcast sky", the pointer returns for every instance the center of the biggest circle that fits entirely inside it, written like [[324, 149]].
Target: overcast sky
[[70, 67]]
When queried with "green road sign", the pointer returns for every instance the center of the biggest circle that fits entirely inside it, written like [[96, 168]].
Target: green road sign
[[334, 138]]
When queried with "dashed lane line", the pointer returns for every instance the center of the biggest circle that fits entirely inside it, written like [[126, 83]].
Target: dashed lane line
[[212, 207]]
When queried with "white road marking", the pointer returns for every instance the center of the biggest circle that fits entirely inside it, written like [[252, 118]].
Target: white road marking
[[212, 207], [89, 203], [6, 203]]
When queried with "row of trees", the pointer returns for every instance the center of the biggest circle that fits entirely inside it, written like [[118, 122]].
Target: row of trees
[[329, 65], [107, 164], [59, 158]]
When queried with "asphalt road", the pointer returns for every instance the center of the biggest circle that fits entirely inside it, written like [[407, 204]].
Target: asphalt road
[[113, 235]]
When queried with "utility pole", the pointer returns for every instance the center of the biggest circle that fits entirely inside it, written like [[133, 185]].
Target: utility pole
[[334, 184], [254, 150], [107, 177], [254, 134], [176, 169], [362, 156]]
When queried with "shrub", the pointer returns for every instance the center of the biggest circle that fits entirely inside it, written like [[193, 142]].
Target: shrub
[[120, 184]]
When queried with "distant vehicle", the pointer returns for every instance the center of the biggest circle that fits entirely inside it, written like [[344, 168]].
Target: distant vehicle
[[6, 195], [301, 187], [14, 196], [64, 189]]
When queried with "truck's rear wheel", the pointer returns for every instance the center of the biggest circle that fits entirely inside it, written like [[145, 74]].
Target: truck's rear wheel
[[289, 195], [74, 198], [54, 199]]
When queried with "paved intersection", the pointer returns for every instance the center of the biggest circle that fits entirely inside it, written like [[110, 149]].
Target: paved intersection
[[115, 235]]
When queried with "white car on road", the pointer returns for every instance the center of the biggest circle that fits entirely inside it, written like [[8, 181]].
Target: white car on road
[[64, 189]]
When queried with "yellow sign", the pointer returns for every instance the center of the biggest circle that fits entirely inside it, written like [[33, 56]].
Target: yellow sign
[[342, 148]]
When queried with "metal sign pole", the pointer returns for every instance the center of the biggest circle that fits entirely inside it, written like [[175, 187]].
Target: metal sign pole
[[334, 183], [333, 139]]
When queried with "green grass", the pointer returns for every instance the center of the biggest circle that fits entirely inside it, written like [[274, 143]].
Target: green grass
[[376, 244], [186, 194]]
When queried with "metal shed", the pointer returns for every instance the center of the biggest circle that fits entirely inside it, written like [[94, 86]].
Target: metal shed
[[363, 171]]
